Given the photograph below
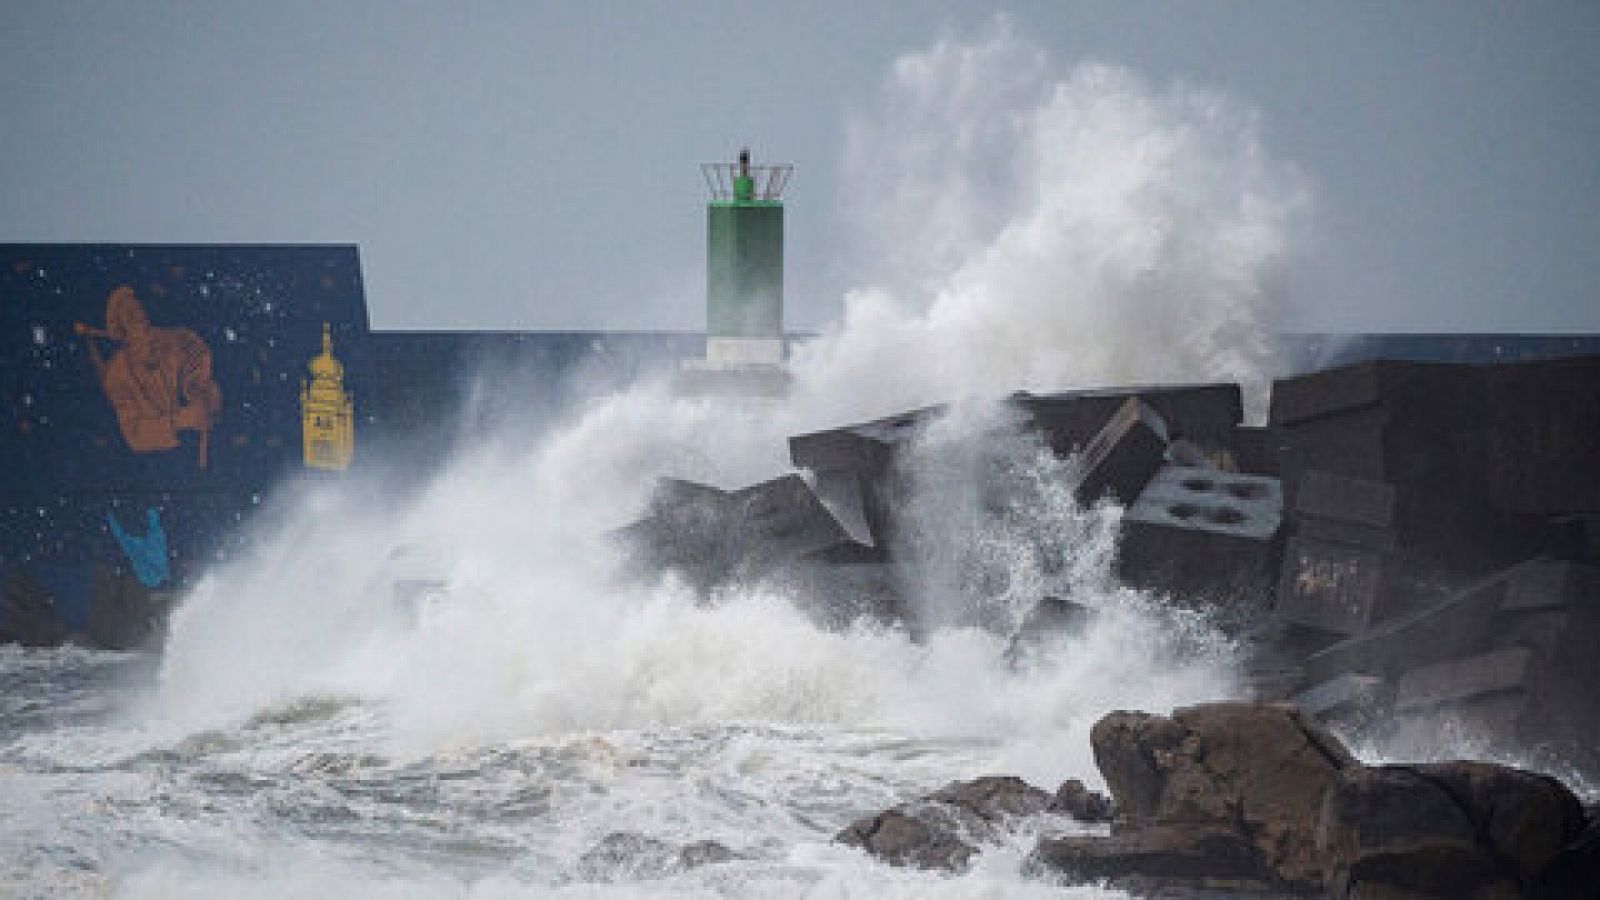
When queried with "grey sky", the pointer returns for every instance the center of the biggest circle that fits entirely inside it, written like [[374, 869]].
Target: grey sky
[[527, 165]]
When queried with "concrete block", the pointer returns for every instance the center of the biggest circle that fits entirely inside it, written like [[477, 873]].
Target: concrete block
[[1352, 444], [1126, 453], [1258, 450], [1464, 624], [1200, 534], [1342, 692], [1544, 443], [779, 521], [844, 494], [1247, 506], [1341, 498], [688, 530], [837, 595], [1430, 686], [1331, 587], [1205, 414], [1550, 584], [1382, 540], [865, 447], [1318, 394]]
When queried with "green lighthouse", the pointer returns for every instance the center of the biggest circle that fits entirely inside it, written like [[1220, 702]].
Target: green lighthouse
[[744, 263]]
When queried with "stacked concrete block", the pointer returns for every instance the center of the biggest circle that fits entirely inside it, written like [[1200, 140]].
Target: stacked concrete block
[[1337, 575], [1204, 534], [712, 537], [1466, 448], [856, 470], [1544, 439], [1203, 414], [1124, 455], [1508, 663]]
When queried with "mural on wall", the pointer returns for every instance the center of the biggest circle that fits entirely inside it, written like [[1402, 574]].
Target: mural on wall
[[327, 411], [164, 387], [158, 380]]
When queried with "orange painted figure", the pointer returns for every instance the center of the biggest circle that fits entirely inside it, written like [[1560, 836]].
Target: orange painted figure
[[159, 381]]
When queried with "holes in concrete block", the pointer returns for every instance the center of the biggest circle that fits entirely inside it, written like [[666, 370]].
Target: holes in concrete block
[[1184, 511], [1226, 515]]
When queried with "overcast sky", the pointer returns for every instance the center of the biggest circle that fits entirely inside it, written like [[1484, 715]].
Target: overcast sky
[[535, 165]]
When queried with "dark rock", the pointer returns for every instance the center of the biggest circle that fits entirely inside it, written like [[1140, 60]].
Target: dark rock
[[1459, 829], [1124, 455], [1259, 769], [1075, 800], [1574, 873], [903, 838], [939, 831], [630, 856], [1155, 858], [704, 853], [994, 798]]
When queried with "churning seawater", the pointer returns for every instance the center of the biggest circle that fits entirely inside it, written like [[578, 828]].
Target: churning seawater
[[302, 736]]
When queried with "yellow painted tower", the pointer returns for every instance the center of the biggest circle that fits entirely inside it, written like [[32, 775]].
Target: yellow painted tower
[[327, 411]]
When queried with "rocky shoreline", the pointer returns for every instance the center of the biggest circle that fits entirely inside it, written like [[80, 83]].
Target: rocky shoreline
[[1257, 800]]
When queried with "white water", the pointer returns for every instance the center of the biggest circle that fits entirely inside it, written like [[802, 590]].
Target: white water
[[1051, 230]]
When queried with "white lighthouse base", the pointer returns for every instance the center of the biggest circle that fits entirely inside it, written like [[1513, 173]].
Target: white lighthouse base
[[744, 351], [736, 367]]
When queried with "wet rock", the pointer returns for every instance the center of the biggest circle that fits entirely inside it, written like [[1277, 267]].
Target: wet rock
[[1574, 874], [940, 831], [994, 798], [1075, 800], [1456, 829], [630, 856], [1259, 769], [913, 837], [1156, 860]]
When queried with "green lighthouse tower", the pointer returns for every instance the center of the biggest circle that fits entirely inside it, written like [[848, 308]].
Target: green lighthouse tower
[[744, 263]]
